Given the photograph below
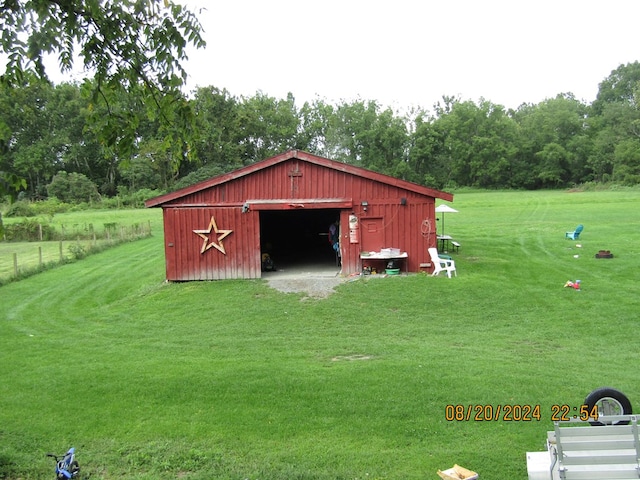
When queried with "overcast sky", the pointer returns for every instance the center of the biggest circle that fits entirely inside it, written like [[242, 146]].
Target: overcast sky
[[406, 53]]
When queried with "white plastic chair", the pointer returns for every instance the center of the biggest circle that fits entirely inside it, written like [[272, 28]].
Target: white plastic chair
[[441, 264]]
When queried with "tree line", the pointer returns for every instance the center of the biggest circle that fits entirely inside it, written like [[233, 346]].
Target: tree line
[[53, 137]]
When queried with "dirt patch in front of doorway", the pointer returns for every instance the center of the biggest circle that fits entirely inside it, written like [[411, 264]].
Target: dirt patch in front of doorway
[[316, 281], [315, 287]]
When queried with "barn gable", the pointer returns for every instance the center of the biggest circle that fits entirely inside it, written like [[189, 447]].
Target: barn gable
[[262, 206]]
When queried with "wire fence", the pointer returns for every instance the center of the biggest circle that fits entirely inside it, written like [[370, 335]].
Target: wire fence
[[22, 259]]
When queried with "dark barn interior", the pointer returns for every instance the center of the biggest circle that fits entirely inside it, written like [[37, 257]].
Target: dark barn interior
[[298, 237]]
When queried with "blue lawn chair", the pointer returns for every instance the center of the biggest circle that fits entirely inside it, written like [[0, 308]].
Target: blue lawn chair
[[575, 234]]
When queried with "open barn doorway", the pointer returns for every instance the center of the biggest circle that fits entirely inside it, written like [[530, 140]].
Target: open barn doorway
[[300, 239]]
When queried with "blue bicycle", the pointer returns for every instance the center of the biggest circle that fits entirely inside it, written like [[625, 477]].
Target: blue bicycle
[[66, 465]]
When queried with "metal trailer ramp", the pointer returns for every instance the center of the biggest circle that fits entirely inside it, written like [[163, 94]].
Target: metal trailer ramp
[[578, 450]]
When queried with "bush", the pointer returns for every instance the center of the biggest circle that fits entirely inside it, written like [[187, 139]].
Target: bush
[[73, 188], [203, 173], [137, 199], [21, 208], [77, 251], [50, 207], [134, 199], [29, 231]]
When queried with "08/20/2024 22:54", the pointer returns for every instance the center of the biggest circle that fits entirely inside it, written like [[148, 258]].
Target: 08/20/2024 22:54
[[518, 413]]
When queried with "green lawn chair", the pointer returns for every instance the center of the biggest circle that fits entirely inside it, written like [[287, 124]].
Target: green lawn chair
[[575, 234]]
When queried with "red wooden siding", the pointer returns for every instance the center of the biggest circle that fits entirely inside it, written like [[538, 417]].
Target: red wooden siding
[[409, 227], [184, 259]]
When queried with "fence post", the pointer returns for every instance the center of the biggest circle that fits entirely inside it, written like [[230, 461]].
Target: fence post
[[15, 264], [61, 256], [40, 256]]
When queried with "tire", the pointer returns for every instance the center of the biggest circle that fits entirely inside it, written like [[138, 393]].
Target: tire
[[610, 402]]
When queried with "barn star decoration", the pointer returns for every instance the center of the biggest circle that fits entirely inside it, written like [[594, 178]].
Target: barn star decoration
[[213, 236]]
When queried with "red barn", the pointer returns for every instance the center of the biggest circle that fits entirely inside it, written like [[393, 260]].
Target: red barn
[[296, 207]]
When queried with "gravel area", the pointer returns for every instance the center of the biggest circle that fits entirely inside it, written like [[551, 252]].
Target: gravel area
[[318, 282], [313, 287]]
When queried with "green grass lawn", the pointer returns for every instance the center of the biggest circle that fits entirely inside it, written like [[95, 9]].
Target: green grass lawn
[[234, 380]]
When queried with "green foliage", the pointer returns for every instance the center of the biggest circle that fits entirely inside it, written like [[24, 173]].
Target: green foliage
[[130, 199], [72, 188], [29, 230], [555, 143], [50, 207], [125, 43], [627, 162], [219, 140], [147, 170], [620, 87], [31, 138], [477, 144], [26, 208], [203, 173], [269, 126], [21, 208], [134, 49], [77, 250], [11, 184]]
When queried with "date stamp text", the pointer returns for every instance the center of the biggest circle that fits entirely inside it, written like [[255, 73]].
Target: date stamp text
[[517, 413]]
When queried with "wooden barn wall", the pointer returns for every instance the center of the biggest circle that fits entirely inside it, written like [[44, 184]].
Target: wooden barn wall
[[410, 227], [184, 260]]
